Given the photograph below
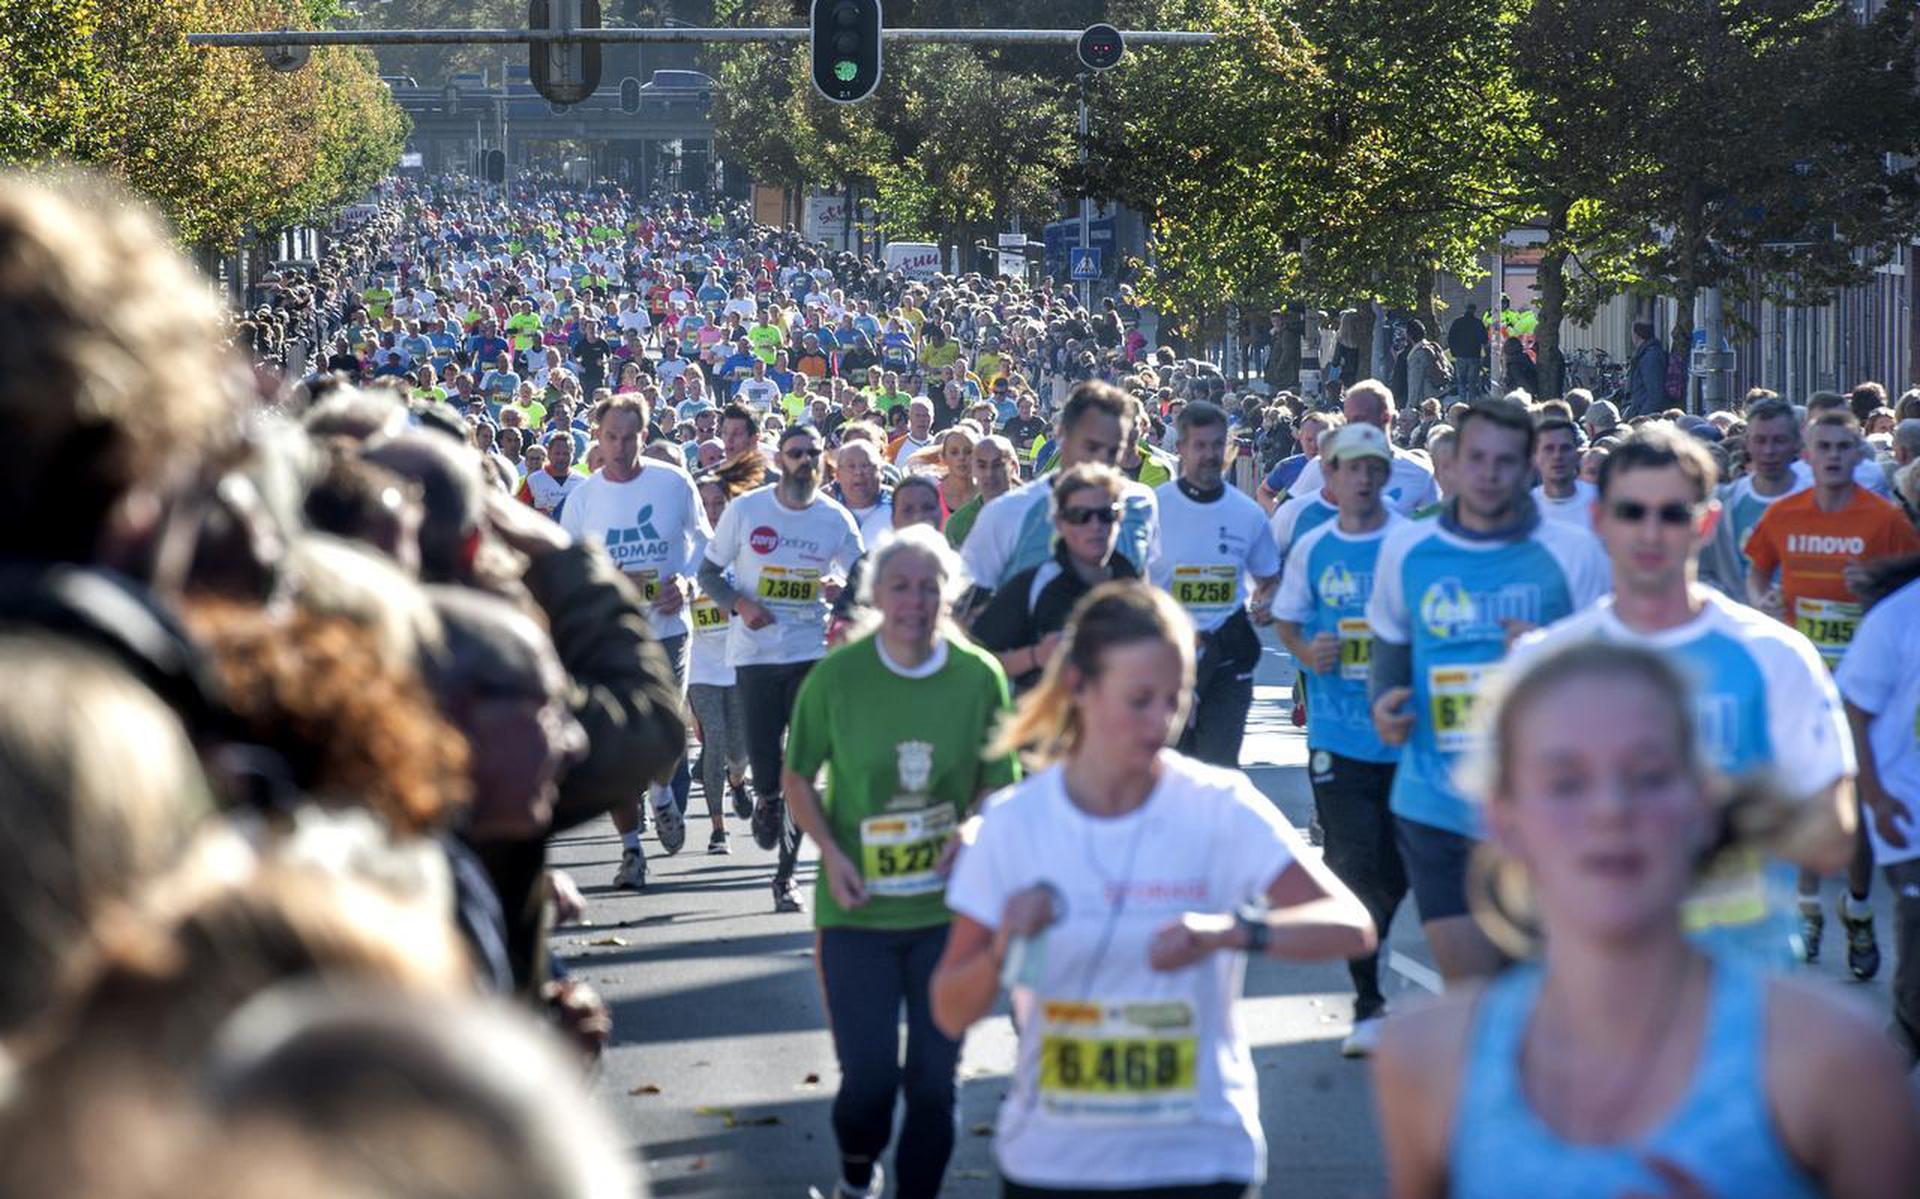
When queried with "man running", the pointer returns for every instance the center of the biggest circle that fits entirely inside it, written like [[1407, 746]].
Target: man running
[[1320, 615], [1762, 698], [1772, 440], [1817, 540], [1562, 493], [1451, 594], [1216, 539], [781, 543], [1411, 487], [649, 517], [1015, 531]]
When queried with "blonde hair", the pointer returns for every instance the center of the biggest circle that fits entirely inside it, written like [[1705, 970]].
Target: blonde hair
[[1046, 726]]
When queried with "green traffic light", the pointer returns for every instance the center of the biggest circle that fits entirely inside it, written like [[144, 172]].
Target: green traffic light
[[845, 70]]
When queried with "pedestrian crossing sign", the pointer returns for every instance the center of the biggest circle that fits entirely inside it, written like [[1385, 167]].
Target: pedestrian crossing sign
[[1085, 262]]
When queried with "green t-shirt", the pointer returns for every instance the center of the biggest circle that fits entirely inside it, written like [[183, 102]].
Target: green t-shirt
[[904, 766], [765, 339], [961, 522], [887, 401], [525, 328]]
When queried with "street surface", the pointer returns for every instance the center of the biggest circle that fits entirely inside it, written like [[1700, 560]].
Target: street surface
[[722, 1073]]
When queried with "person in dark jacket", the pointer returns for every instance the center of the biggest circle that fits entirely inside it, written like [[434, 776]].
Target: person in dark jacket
[[1023, 622], [1520, 371], [1646, 373]]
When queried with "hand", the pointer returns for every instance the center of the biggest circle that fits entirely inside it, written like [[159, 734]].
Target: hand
[[672, 596], [1888, 814], [849, 890], [1390, 719], [1773, 603], [950, 852], [1857, 578], [752, 613], [522, 528], [1027, 912], [580, 1013], [1043, 651], [1188, 939], [568, 904], [1323, 653]]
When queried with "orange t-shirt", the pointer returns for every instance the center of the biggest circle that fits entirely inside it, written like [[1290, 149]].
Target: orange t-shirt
[[1812, 549]]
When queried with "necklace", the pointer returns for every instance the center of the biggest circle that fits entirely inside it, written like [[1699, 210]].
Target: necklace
[[1615, 1100]]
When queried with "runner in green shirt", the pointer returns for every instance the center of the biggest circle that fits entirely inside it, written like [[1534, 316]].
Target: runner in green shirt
[[901, 720]]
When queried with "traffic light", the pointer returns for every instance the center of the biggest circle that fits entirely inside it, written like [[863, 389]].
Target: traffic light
[[564, 72], [846, 48], [1101, 47], [496, 169], [629, 95]]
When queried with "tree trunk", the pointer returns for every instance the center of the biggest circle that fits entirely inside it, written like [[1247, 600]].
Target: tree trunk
[[1552, 285], [1423, 301]]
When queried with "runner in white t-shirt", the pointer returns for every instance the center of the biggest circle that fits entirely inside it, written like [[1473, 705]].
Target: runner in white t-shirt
[[1562, 494], [1112, 891], [777, 559], [1410, 485], [649, 519]]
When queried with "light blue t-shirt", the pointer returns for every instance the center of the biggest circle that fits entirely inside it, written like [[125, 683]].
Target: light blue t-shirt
[[1455, 600], [1324, 589]]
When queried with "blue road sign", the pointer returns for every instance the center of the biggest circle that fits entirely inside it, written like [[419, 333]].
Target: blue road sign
[[1085, 262]]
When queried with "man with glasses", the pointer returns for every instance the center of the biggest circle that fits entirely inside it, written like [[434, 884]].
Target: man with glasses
[[771, 563], [1762, 697]]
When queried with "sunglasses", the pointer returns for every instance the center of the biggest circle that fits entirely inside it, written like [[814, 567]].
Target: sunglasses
[[1083, 516], [797, 455], [1633, 512]]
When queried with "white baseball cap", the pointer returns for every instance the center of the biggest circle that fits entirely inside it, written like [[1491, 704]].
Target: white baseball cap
[[1359, 440]]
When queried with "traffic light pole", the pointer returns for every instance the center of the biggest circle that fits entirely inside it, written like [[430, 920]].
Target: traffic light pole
[[1086, 201]]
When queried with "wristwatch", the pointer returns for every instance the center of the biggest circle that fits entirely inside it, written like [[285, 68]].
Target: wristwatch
[[1252, 922]]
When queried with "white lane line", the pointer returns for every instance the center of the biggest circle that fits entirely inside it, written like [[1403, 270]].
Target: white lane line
[[1418, 973]]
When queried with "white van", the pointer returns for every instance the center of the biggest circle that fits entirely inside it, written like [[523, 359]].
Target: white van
[[914, 259]]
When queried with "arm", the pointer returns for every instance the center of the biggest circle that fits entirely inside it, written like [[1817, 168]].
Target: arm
[[1311, 916], [1320, 655], [1858, 1141], [843, 875], [1415, 1080], [1389, 687], [967, 981], [1887, 813]]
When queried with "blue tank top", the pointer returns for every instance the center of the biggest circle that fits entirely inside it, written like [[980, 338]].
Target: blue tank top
[[1721, 1131]]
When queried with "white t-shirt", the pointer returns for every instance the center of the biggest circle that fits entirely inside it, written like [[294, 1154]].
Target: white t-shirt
[[1881, 674], [1410, 484], [1576, 509], [635, 320], [651, 527], [1211, 551], [744, 305], [707, 640], [548, 491], [873, 521], [909, 447], [762, 394], [780, 557], [1206, 841]]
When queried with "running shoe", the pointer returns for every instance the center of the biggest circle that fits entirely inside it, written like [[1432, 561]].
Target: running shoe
[[1364, 1038], [720, 842], [672, 827], [632, 875], [786, 896], [845, 1190], [742, 802], [1863, 952], [1812, 924], [769, 813]]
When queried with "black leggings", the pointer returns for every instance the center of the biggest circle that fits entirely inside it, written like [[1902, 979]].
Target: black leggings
[[767, 693]]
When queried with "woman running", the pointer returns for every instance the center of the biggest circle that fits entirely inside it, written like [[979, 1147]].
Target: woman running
[[1626, 1061], [1119, 889], [716, 701], [901, 719]]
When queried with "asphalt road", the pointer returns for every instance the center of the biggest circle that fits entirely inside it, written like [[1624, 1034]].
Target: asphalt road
[[722, 1073]]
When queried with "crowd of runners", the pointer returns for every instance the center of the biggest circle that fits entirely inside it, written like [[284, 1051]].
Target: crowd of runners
[[541, 504]]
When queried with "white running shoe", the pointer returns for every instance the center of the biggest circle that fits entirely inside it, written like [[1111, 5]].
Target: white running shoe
[[1364, 1038]]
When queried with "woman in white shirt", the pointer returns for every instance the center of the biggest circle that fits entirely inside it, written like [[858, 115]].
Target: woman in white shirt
[[1117, 889]]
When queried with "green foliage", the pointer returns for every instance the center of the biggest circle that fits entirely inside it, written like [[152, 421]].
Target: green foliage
[[220, 143]]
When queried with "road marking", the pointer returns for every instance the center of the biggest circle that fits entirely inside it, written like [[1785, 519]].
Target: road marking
[[1418, 973]]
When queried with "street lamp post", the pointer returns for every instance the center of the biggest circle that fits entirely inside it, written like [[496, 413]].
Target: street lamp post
[[1086, 200]]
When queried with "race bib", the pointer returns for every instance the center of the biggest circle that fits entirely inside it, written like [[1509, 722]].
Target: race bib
[[1452, 692], [1204, 586], [1119, 1061], [784, 585], [1356, 648], [898, 851], [647, 582], [1829, 624], [708, 615], [1731, 895]]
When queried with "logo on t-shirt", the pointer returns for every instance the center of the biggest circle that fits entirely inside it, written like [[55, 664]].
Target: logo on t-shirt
[[764, 540], [916, 764], [1449, 609]]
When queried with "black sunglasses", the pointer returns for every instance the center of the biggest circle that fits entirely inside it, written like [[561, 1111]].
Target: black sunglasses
[[1081, 516], [1633, 512], [796, 455]]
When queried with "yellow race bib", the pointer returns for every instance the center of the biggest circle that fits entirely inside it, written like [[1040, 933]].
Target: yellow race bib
[[1356, 648], [1452, 692], [709, 615], [1829, 624], [898, 850], [784, 585], [1119, 1061], [1204, 586]]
